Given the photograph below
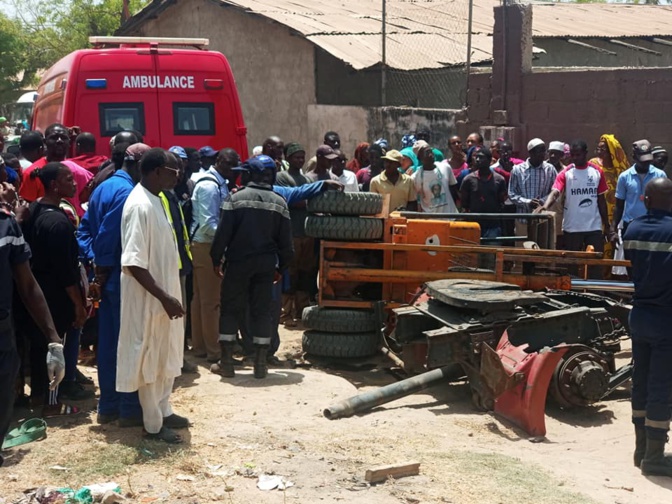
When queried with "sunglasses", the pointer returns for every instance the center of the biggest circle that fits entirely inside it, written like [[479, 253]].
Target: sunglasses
[[174, 170]]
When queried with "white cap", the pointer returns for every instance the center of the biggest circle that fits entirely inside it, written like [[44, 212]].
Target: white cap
[[557, 146], [535, 142]]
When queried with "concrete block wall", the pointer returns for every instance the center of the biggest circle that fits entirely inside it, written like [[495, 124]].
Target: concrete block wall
[[570, 104], [630, 103]]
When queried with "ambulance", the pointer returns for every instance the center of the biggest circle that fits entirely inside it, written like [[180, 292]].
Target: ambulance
[[173, 91]]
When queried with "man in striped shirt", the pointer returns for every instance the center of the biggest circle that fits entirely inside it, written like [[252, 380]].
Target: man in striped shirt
[[531, 182], [648, 245]]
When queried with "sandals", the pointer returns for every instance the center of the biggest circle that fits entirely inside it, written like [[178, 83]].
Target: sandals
[[30, 430], [60, 409], [165, 434]]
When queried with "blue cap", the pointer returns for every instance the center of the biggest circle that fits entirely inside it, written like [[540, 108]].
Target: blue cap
[[253, 165], [179, 152], [207, 151], [267, 161]]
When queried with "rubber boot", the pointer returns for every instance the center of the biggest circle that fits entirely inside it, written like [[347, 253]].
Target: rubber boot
[[655, 463], [260, 365], [226, 362], [640, 445]]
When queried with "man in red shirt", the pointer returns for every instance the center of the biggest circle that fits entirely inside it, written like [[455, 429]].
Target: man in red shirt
[[85, 150], [585, 221], [57, 140]]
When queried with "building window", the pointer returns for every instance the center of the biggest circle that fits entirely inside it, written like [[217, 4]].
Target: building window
[[191, 118], [116, 117]]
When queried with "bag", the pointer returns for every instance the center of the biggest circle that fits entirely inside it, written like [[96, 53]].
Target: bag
[[188, 206]]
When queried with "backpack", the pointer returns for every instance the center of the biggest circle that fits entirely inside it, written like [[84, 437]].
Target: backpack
[[188, 205]]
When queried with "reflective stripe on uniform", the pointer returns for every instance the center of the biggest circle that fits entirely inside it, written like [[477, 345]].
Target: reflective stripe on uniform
[[261, 341], [658, 424], [166, 207], [647, 246], [638, 413], [12, 240], [227, 337]]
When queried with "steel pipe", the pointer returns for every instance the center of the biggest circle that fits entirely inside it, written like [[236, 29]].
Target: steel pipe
[[602, 285], [388, 393]]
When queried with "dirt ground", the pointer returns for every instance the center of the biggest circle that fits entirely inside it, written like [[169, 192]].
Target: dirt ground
[[245, 427]]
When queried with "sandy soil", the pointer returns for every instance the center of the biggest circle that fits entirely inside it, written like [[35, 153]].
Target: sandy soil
[[245, 427]]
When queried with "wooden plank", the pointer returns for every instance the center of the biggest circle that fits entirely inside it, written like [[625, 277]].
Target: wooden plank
[[381, 473]]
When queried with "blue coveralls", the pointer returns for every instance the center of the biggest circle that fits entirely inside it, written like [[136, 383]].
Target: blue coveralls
[[648, 245], [99, 238]]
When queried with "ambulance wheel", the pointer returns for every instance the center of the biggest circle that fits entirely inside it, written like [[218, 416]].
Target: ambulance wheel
[[346, 203], [344, 228], [352, 345], [337, 320]]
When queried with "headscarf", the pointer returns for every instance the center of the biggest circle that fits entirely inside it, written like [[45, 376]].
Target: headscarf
[[620, 163], [408, 152], [407, 141], [356, 163]]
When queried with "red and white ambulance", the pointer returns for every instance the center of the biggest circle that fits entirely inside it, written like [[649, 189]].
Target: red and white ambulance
[[173, 96]]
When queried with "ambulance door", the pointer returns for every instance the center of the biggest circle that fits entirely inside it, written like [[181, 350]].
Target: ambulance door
[[115, 93]]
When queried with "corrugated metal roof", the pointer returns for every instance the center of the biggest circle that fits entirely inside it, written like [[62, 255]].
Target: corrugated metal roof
[[432, 33], [421, 34], [601, 20]]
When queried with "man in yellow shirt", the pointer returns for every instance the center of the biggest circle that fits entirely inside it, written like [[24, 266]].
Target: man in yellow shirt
[[398, 185]]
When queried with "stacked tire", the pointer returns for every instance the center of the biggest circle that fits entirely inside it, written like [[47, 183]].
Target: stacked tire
[[340, 216], [336, 332]]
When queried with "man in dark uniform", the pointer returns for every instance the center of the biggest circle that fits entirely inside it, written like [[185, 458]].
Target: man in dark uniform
[[253, 246], [648, 245], [15, 268]]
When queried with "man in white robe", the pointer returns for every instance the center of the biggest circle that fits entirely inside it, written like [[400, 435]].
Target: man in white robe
[[150, 350]]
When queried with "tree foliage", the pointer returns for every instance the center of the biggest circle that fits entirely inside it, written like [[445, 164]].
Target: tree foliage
[[40, 33]]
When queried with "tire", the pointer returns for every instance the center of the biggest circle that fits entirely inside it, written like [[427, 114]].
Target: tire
[[346, 203], [344, 228], [324, 344], [337, 320]]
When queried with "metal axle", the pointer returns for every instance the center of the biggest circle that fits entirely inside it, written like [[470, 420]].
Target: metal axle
[[388, 393]]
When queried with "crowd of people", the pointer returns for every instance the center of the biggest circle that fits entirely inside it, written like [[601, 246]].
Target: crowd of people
[[149, 248]]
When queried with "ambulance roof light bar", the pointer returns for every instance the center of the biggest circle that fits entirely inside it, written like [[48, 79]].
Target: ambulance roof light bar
[[199, 43]]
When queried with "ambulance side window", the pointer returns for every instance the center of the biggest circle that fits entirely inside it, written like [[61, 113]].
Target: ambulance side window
[[191, 118], [116, 117]]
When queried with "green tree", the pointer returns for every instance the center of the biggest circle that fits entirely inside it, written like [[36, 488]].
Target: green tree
[[59, 27]]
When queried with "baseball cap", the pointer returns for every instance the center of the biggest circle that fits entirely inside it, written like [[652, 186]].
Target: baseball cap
[[642, 150], [535, 142], [394, 155], [253, 165], [326, 152], [557, 146], [134, 152], [207, 151], [267, 161], [179, 152], [418, 146], [658, 150]]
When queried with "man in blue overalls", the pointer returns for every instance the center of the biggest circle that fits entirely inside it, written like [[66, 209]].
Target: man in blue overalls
[[99, 237], [648, 245]]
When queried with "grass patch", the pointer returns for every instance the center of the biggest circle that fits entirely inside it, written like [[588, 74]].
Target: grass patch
[[501, 479]]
